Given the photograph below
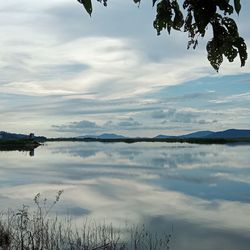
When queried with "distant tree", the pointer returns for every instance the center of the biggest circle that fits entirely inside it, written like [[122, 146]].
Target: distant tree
[[194, 18]]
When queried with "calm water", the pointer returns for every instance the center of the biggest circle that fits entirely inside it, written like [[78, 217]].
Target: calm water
[[199, 193]]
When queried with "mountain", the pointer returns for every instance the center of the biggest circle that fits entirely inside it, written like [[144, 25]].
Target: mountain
[[230, 134], [199, 134], [104, 136], [12, 136], [164, 136], [110, 136], [227, 134]]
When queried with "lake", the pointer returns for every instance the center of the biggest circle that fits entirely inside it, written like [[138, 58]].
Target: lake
[[198, 193]]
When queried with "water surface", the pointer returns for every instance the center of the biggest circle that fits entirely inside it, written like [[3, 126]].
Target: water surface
[[198, 193]]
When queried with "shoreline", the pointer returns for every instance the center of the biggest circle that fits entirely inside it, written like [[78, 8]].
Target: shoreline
[[31, 144], [166, 140], [19, 145]]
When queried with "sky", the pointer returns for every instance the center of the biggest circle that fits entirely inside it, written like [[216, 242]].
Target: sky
[[63, 73]]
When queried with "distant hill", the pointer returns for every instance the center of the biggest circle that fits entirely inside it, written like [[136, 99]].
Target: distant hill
[[104, 136], [227, 134], [230, 134], [12, 136], [164, 136], [199, 134]]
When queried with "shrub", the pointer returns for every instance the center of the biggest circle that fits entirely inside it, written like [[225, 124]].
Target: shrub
[[27, 229]]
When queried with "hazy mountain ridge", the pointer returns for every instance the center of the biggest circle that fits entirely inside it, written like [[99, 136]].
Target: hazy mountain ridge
[[230, 134], [104, 136], [198, 134], [14, 136], [11, 136], [226, 134], [165, 136]]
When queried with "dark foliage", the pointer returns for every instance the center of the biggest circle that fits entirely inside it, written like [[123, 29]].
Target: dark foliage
[[194, 18], [19, 145]]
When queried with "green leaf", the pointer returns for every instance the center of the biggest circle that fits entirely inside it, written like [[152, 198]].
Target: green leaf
[[229, 51], [214, 54], [231, 26], [237, 6], [169, 28], [203, 15], [163, 16], [104, 2], [225, 6], [154, 1], [137, 1], [242, 48], [188, 22], [178, 19], [87, 5]]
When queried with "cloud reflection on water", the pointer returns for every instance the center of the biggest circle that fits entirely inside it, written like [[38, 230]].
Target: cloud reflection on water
[[200, 188]]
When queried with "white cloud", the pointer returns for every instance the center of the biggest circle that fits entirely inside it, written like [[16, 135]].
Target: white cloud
[[55, 49]]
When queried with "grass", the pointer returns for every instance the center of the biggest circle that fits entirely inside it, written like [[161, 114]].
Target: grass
[[35, 229]]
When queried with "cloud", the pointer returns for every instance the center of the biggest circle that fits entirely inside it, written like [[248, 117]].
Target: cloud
[[90, 126], [128, 123], [83, 124], [103, 180], [80, 126], [242, 97], [182, 116], [112, 66], [174, 115]]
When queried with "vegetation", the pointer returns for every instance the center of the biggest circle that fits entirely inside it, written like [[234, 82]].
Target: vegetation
[[34, 230], [194, 18], [19, 144]]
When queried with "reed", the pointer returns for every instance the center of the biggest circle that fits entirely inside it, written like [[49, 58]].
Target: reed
[[36, 229]]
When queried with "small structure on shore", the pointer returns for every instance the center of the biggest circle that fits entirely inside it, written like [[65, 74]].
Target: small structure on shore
[[32, 136]]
